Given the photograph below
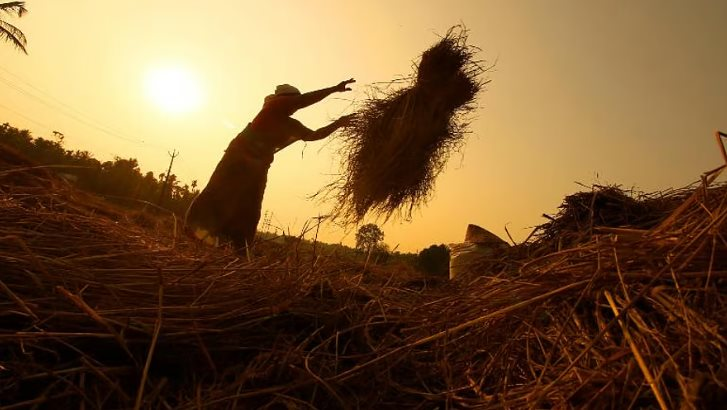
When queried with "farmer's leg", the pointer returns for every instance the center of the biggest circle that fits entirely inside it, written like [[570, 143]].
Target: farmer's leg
[[249, 209]]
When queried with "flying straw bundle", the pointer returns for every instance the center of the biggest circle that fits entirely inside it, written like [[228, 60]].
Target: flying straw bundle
[[400, 142]]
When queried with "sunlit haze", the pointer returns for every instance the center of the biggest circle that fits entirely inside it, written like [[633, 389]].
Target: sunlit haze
[[618, 92], [173, 89]]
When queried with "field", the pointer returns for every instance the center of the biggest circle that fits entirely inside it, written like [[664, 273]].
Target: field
[[618, 302]]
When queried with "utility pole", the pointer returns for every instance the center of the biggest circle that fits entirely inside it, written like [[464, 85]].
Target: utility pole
[[173, 155]]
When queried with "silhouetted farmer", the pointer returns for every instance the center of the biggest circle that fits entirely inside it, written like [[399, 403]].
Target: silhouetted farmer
[[228, 208]]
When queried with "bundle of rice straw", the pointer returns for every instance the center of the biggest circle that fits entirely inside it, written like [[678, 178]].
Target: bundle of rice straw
[[400, 142]]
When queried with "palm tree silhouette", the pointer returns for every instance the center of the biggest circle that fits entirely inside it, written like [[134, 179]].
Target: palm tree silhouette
[[10, 33]]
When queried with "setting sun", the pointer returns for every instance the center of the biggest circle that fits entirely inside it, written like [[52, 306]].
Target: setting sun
[[173, 89]]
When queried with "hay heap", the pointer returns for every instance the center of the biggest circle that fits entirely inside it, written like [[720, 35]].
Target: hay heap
[[99, 313], [606, 206], [401, 141]]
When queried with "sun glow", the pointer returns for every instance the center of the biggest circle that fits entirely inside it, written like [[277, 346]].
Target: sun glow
[[173, 89]]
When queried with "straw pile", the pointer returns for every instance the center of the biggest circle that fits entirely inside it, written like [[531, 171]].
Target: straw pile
[[402, 139], [99, 313], [606, 206]]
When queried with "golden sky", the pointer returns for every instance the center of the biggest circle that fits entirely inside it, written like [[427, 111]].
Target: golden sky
[[619, 92]]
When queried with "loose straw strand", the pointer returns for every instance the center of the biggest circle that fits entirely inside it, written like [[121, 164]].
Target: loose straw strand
[[155, 338], [637, 354]]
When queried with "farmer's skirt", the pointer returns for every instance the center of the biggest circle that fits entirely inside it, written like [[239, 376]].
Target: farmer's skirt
[[228, 208]]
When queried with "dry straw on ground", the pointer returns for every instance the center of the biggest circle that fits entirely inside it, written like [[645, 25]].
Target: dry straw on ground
[[97, 313], [402, 139]]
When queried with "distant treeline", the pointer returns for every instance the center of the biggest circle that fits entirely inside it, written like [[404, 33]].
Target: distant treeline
[[120, 180]]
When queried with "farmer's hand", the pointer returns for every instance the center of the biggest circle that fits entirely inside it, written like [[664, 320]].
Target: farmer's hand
[[342, 86]]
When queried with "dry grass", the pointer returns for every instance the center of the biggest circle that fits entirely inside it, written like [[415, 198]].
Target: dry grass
[[98, 312], [402, 138]]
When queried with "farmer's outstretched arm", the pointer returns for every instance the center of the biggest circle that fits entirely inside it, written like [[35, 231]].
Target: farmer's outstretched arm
[[298, 131], [312, 97], [323, 132]]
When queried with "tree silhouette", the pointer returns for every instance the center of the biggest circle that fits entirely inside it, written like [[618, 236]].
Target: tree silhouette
[[9, 32], [368, 237], [434, 260]]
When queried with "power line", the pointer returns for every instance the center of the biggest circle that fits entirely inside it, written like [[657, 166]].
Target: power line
[[19, 114], [56, 100], [69, 111], [65, 112], [66, 109]]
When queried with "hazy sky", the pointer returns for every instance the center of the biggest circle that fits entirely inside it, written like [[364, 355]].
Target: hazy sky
[[618, 92]]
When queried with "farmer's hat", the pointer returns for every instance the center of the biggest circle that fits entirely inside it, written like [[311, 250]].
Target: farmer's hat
[[283, 90]]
